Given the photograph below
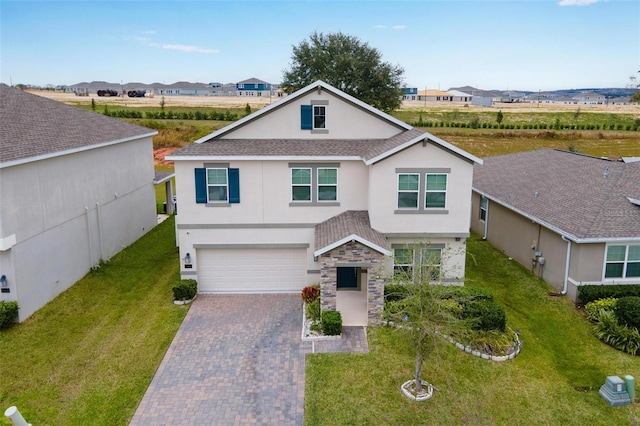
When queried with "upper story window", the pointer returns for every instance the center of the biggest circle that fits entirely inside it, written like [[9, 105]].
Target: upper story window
[[314, 184], [422, 190], [319, 117], [436, 192], [216, 185], [622, 261], [408, 189], [314, 116], [301, 184], [327, 184]]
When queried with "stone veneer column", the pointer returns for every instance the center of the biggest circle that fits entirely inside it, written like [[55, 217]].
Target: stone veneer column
[[353, 252]]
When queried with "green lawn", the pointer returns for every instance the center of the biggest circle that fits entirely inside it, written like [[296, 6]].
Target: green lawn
[[554, 381], [88, 356]]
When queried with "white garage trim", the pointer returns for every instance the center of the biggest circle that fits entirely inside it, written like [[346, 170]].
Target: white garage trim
[[250, 246], [252, 268]]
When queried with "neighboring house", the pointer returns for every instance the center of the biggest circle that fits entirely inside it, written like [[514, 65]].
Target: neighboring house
[[253, 87], [76, 188], [460, 96], [581, 214], [433, 95], [320, 187], [184, 88], [409, 93], [589, 98]]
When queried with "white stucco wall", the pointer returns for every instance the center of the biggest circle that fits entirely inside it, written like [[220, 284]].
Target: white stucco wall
[[383, 189], [265, 194], [70, 212], [344, 121]]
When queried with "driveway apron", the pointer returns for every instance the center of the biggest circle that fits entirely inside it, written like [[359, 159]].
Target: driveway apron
[[236, 359]]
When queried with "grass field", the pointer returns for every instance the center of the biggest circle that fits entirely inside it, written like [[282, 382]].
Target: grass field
[[554, 381], [87, 357]]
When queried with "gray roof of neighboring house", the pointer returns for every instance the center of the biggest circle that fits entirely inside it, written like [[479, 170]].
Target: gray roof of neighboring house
[[582, 197], [252, 81], [340, 229], [33, 127]]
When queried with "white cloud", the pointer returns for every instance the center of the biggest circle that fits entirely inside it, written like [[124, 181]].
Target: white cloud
[[577, 2], [393, 27], [150, 32], [184, 48]]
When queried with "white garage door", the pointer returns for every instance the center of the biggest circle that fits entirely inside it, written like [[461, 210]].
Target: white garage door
[[255, 270]]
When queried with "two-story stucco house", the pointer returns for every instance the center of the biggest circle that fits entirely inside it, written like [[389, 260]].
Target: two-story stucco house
[[320, 187], [75, 187]]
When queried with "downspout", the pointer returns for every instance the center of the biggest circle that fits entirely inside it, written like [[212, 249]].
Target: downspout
[[99, 217], [86, 210], [486, 220], [566, 268]]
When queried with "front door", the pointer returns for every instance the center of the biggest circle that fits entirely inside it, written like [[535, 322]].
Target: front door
[[348, 278]]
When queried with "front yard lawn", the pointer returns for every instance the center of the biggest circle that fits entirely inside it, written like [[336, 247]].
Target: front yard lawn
[[87, 357], [555, 379]]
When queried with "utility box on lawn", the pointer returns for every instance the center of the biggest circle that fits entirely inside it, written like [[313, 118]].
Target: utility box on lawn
[[614, 391]]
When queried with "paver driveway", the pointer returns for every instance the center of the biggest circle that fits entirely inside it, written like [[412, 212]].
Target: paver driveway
[[237, 359]]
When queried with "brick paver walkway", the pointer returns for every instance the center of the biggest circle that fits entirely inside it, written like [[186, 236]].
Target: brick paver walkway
[[236, 360]]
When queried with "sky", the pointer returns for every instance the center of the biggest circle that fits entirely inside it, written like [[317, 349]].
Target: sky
[[500, 44]]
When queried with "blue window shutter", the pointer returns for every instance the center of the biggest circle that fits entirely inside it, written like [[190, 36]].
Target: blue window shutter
[[201, 185], [306, 117], [234, 186]]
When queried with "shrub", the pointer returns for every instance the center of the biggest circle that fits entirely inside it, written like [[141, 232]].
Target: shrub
[[185, 290], [395, 292], [627, 311], [485, 315], [465, 293], [8, 313], [331, 323], [593, 308], [589, 293], [310, 293], [313, 310], [616, 335]]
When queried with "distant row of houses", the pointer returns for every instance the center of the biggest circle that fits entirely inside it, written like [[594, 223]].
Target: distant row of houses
[[254, 87], [489, 97], [250, 87]]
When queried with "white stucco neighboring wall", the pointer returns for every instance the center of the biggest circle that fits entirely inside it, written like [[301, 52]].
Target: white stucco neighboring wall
[[70, 212], [344, 121]]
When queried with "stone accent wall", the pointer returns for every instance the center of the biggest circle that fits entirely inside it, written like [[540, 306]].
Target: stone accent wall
[[353, 252]]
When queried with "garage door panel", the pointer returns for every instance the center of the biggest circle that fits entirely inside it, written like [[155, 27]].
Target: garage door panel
[[251, 270]]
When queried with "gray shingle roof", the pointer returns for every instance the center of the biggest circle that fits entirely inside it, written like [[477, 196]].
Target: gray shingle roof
[[584, 197], [351, 222], [33, 126], [360, 148]]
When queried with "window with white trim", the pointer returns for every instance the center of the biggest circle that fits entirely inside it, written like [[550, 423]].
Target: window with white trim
[[436, 191], [403, 261], [327, 184], [426, 260], [301, 184], [483, 207], [319, 117], [217, 185], [622, 261], [408, 190]]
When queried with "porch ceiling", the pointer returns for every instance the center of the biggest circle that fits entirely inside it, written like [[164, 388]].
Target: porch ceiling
[[348, 226]]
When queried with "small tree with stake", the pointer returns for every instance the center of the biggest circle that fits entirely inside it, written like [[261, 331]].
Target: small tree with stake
[[424, 311]]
